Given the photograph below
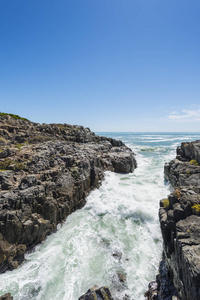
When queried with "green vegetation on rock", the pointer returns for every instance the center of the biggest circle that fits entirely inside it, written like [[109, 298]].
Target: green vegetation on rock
[[194, 162], [8, 164], [16, 117], [5, 164], [74, 172], [19, 145], [188, 172], [166, 203], [18, 166], [196, 208]]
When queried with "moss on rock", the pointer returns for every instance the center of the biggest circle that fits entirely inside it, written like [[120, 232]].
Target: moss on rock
[[194, 162], [16, 117]]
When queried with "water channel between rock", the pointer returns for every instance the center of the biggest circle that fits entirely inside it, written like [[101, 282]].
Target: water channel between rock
[[114, 240]]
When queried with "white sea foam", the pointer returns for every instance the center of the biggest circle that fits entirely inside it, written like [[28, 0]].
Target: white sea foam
[[117, 232]]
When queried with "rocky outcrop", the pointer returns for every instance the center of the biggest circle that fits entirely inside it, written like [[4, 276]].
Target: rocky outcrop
[[162, 288], [180, 221], [6, 297], [97, 293], [46, 172]]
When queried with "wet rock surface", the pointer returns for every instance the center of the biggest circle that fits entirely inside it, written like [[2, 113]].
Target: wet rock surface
[[46, 172], [6, 297], [152, 293], [180, 222], [97, 293]]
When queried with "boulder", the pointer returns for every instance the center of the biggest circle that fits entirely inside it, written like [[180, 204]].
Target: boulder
[[97, 293], [6, 297]]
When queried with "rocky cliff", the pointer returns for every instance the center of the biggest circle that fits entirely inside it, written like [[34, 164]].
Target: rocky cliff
[[46, 172], [180, 222]]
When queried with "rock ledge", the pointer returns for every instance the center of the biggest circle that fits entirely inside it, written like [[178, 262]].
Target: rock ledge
[[46, 172]]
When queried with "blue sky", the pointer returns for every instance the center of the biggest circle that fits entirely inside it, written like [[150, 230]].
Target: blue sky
[[111, 65]]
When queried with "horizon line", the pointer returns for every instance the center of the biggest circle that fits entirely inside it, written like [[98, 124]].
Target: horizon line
[[149, 131]]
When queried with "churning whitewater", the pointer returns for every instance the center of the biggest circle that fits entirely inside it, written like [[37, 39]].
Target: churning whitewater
[[114, 240]]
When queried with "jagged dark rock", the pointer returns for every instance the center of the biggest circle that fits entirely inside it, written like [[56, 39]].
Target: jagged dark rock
[[152, 293], [6, 297], [46, 172], [180, 222], [97, 293], [163, 287]]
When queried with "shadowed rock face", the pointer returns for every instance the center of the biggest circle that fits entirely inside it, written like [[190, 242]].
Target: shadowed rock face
[[6, 297], [97, 293], [180, 221], [46, 172]]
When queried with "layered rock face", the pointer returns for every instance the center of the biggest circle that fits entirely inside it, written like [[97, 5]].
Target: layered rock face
[[180, 221], [46, 172]]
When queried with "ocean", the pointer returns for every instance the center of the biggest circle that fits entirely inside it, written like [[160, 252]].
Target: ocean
[[115, 240]]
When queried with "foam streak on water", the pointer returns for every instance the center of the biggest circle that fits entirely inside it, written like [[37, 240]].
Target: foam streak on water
[[116, 235]]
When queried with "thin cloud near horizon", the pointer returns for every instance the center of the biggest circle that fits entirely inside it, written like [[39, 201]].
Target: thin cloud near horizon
[[185, 116]]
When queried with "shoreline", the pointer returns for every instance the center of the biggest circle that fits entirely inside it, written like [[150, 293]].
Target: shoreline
[[46, 173]]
